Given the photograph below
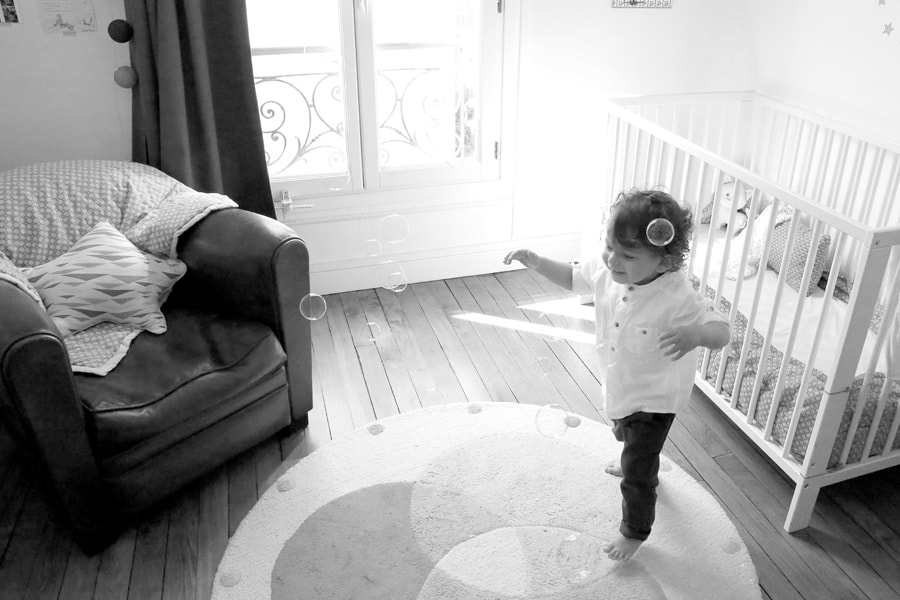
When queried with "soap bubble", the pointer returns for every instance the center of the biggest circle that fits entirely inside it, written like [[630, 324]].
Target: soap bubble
[[313, 307], [391, 276], [337, 183], [578, 555], [660, 232], [373, 331], [394, 228], [545, 364], [397, 282], [553, 421], [373, 247]]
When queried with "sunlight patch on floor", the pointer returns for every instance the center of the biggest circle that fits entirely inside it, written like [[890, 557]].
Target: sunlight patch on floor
[[546, 330], [566, 307]]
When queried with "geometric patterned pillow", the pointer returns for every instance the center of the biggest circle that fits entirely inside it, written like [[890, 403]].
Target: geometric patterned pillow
[[799, 252], [105, 278]]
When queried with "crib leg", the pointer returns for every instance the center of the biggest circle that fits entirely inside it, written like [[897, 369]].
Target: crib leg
[[802, 505]]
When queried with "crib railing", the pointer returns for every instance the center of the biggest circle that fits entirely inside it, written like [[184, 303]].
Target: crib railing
[[855, 173], [693, 147]]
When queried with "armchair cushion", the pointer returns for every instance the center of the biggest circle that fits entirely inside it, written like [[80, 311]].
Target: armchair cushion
[[105, 278], [169, 387]]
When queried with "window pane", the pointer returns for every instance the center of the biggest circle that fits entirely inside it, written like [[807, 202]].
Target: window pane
[[427, 57], [299, 87]]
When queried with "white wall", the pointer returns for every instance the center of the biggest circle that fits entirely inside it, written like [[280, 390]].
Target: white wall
[[574, 52], [831, 57], [57, 93], [59, 101]]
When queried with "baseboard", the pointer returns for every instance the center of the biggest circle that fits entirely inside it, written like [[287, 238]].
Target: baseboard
[[446, 263]]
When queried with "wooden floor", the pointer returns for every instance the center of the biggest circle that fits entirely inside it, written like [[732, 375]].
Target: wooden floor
[[379, 353]]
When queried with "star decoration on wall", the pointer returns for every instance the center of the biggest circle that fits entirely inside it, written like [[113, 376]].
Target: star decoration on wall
[[888, 28], [881, 2]]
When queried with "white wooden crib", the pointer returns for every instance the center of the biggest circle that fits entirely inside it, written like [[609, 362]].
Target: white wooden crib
[[815, 206]]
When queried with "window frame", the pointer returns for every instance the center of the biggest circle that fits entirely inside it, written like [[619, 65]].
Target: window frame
[[414, 187]]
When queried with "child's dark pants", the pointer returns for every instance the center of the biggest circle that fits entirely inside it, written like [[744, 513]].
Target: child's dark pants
[[644, 435]]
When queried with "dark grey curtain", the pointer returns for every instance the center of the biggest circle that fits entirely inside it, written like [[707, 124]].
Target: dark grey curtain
[[195, 114]]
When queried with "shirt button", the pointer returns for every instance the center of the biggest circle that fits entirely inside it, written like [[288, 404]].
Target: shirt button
[[616, 324], [624, 298], [630, 288]]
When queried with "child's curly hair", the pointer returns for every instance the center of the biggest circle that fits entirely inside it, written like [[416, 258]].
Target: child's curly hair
[[632, 212]]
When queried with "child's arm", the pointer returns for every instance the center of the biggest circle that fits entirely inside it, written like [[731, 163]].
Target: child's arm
[[557, 271], [678, 341]]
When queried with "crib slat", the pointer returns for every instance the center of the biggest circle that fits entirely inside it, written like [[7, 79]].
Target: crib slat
[[766, 167], [813, 353], [784, 146], [836, 181], [890, 310], [739, 282], [751, 318], [651, 173], [871, 268], [792, 336], [795, 163], [868, 200], [808, 158], [770, 330], [720, 180], [615, 156], [706, 128], [889, 201], [850, 198], [825, 158], [711, 232], [667, 168], [630, 156], [756, 125], [891, 325]]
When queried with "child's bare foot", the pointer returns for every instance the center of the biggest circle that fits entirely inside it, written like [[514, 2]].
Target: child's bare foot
[[622, 548], [614, 468]]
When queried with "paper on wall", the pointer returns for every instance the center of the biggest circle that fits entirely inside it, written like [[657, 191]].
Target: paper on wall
[[67, 16]]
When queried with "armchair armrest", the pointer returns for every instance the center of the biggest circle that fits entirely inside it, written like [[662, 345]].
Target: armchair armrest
[[247, 265], [40, 405]]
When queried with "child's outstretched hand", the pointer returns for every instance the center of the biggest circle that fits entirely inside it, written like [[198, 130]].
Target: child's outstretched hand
[[678, 341], [529, 258]]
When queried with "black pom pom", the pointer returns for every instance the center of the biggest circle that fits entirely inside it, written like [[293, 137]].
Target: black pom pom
[[120, 30]]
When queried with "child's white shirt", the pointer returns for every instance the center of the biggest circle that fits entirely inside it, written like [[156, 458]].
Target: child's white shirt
[[637, 376]]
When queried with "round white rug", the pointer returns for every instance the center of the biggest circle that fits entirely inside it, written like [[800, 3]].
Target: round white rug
[[477, 502]]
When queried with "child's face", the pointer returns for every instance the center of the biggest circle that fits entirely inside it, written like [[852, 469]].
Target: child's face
[[637, 265]]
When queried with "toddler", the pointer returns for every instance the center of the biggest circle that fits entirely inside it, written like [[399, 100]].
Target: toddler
[[650, 321]]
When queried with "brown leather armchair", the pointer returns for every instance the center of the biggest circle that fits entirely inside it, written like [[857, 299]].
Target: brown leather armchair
[[233, 368]]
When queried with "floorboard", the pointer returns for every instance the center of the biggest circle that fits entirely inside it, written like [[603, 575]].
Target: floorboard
[[509, 337]]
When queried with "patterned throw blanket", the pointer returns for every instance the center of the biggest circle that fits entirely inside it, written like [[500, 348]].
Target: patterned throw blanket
[[46, 208]]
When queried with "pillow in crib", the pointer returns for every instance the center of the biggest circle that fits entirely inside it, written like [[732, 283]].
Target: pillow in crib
[[105, 278], [799, 253]]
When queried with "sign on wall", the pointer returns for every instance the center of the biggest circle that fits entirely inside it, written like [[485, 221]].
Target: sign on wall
[[8, 12], [642, 3]]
